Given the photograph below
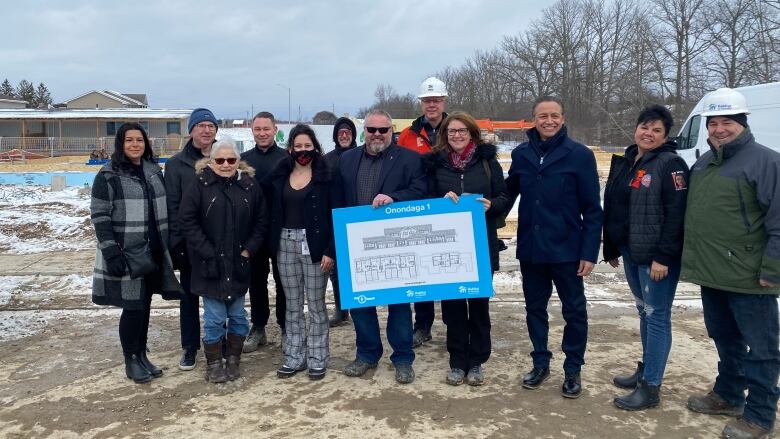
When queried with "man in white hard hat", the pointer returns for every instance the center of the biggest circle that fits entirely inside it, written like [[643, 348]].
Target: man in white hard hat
[[420, 138], [421, 135], [732, 249]]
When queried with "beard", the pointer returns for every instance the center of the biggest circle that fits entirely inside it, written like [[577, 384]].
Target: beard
[[376, 147]]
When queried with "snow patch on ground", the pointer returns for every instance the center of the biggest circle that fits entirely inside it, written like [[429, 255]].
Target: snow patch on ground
[[21, 287], [33, 219]]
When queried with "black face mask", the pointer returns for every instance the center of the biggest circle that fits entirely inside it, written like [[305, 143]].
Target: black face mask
[[304, 157]]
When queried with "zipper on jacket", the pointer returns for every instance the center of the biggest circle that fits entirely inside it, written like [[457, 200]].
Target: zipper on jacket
[[742, 208], [462, 189], [210, 204]]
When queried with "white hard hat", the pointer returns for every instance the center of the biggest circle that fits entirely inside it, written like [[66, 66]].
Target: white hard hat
[[724, 102], [432, 87]]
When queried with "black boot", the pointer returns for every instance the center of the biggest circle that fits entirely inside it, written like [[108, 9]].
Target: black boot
[[154, 371], [235, 345], [643, 397], [215, 371], [340, 317], [629, 381], [135, 370]]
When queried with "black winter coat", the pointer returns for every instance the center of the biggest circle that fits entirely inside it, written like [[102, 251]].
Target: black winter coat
[[179, 175], [319, 202], [474, 179], [220, 218], [264, 163], [644, 207]]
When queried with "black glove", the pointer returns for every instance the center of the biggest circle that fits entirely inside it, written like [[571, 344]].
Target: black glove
[[210, 268], [114, 261], [179, 256]]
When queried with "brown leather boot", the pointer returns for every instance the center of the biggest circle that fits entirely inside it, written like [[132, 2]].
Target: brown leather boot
[[215, 371], [713, 404], [235, 344]]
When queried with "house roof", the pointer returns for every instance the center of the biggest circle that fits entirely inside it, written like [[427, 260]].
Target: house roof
[[114, 113], [138, 97], [116, 96]]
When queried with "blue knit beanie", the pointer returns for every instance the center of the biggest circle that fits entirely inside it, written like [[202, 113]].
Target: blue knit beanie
[[201, 115]]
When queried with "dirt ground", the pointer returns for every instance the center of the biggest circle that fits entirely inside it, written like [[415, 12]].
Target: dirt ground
[[64, 378]]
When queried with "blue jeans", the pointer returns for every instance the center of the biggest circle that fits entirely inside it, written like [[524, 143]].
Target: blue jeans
[[399, 334], [216, 311], [745, 330], [654, 303]]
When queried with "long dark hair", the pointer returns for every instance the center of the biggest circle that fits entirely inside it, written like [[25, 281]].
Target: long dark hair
[[303, 129], [118, 158]]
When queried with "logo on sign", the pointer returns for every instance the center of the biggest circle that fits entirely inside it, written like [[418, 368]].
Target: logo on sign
[[361, 299]]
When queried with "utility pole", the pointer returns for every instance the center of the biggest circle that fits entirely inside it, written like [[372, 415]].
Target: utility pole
[[289, 105]]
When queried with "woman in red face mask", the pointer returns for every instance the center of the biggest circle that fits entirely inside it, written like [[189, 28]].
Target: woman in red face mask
[[301, 198]]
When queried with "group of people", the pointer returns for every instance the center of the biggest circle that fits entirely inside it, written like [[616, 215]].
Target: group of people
[[227, 220]]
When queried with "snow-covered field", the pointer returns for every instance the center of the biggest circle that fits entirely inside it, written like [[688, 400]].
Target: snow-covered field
[[34, 219]]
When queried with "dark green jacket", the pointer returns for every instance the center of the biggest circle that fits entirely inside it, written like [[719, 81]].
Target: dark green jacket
[[732, 224]]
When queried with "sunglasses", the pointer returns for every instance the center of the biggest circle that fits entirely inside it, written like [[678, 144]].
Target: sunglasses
[[221, 160], [382, 130]]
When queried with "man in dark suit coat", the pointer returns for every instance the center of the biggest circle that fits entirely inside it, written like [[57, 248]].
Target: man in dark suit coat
[[380, 173], [558, 236]]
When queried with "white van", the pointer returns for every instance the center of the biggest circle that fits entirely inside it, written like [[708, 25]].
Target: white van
[[763, 102]]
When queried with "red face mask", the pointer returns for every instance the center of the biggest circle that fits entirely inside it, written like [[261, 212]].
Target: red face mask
[[304, 157]]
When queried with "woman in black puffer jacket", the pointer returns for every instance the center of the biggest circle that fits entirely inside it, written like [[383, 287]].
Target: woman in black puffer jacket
[[460, 164], [224, 219], [644, 207]]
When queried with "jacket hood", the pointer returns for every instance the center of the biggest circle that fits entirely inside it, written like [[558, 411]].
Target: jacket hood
[[243, 167], [434, 160], [352, 127]]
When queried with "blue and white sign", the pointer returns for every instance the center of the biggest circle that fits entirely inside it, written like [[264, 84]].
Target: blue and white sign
[[412, 251]]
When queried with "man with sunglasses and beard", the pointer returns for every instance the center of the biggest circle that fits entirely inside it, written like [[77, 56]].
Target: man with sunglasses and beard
[[379, 173]]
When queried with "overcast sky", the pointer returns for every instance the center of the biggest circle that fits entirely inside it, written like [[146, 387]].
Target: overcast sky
[[230, 56]]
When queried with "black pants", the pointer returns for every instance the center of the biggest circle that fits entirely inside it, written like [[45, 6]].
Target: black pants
[[189, 314], [745, 330], [538, 280], [134, 327], [334, 280], [258, 290], [468, 331], [423, 316]]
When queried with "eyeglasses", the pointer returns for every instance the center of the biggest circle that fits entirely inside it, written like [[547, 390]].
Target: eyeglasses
[[344, 132], [206, 126], [456, 131], [222, 160], [432, 100], [382, 130]]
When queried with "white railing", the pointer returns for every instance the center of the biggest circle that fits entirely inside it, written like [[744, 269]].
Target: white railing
[[55, 146]]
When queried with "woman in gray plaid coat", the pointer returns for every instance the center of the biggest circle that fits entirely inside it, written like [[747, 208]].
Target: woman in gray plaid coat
[[128, 209]]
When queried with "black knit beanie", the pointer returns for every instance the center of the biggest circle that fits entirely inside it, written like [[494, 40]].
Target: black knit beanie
[[740, 118]]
